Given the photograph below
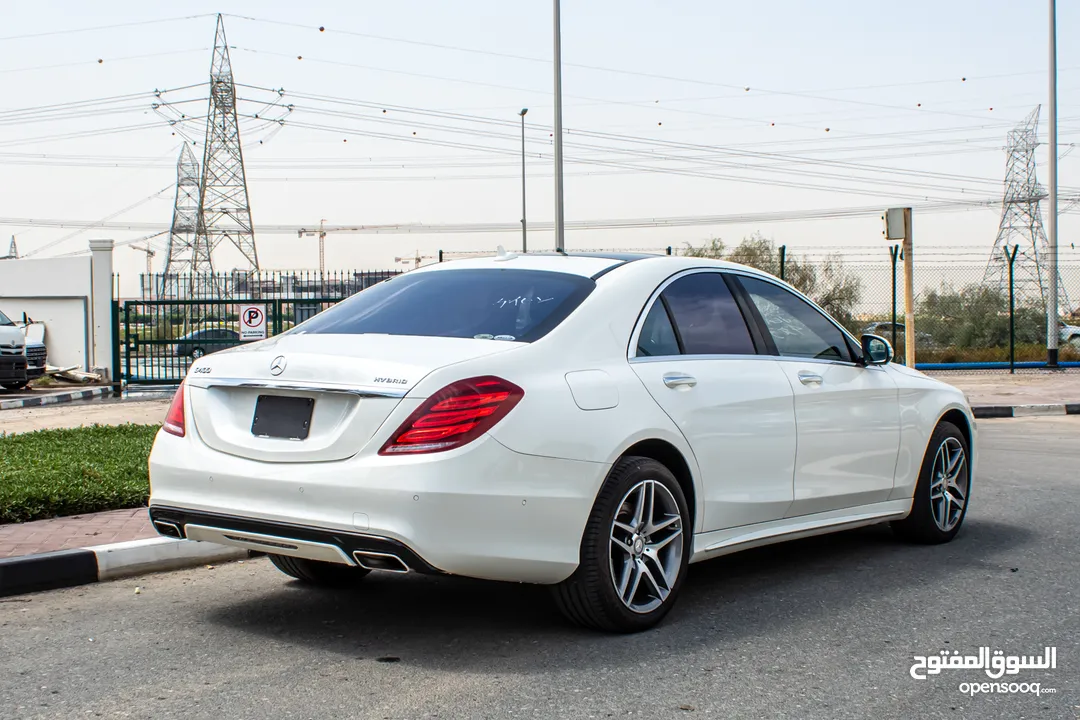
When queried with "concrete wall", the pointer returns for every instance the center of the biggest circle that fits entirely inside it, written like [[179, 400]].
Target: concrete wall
[[72, 297]]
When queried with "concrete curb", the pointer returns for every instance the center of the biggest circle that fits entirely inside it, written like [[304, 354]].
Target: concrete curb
[[58, 397], [67, 568], [1009, 411]]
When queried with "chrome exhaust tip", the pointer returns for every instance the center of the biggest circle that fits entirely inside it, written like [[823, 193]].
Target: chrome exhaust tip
[[168, 529], [380, 561]]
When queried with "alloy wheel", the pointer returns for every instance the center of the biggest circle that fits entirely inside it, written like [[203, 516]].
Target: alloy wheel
[[949, 484], [646, 552]]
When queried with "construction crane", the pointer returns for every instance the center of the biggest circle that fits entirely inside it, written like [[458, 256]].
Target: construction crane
[[150, 253], [322, 244], [416, 259]]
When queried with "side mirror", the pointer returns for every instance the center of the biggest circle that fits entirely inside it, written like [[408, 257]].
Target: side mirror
[[876, 350]]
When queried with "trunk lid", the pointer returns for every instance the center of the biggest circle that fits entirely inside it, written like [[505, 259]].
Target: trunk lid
[[353, 381]]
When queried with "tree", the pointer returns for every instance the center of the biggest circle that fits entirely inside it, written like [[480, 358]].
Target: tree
[[977, 316], [828, 282]]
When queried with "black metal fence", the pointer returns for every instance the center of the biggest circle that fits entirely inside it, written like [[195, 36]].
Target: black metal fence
[[158, 338], [265, 284]]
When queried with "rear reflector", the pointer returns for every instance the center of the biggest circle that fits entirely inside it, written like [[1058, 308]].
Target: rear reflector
[[454, 416], [174, 419]]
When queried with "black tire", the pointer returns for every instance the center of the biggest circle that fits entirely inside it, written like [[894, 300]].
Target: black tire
[[589, 597], [316, 572], [15, 386], [197, 353], [920, 526]]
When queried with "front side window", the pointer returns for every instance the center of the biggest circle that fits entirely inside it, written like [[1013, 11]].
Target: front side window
[[4, 320], [707, 319], [499, 304], [797, 328]]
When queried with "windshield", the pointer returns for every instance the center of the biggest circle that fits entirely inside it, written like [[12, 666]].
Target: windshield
[[4, 320], [489, 304]]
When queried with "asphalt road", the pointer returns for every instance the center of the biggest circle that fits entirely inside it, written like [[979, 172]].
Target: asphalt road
[[821, 628]]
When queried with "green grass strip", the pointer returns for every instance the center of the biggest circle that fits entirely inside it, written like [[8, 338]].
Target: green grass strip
[[52, 473]]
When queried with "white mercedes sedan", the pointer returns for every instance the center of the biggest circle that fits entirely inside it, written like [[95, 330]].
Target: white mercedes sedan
[[590, 422]]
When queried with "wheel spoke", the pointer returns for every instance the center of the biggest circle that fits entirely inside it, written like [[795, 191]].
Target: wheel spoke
[[659, 545], [651, 509], [624, 527], [634, 571], [955, 461], [661, 592], [639, 509], [622, 546], [957, 498], [654, 528], [624, 580]]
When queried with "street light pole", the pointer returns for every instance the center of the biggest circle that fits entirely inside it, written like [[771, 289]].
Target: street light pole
[[1052, 302], [524, 241], [560, 235]]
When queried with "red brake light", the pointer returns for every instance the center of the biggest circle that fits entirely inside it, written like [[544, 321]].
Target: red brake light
[[454, 416], [174, 419]]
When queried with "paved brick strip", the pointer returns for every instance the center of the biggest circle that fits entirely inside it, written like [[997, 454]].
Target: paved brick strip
[[76, 531]]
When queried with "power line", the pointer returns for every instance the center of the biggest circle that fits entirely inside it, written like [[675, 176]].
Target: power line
[[97, 28]]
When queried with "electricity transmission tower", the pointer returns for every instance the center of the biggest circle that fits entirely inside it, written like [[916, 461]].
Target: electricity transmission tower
[[224, 210], [188, 254], [1021, 221]]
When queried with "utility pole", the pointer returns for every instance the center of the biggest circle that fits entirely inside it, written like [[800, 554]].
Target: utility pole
[[560, 230], [1052, 311], [898, 227], [909, 293], [524, 240]]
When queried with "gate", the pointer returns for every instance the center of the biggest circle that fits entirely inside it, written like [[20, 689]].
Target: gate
[[160, 339]]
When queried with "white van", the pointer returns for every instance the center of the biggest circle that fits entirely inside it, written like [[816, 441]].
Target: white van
[[12, 355]]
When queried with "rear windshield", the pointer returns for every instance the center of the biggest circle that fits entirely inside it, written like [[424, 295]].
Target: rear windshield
[[512, 305]]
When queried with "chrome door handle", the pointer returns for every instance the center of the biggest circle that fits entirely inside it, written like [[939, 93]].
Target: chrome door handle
[[674, 380], [809, 378]]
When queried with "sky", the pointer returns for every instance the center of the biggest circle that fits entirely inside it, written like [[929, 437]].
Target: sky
[[691, 110]]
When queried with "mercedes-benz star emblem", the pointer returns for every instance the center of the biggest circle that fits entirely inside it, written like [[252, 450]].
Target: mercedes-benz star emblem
[[277, 365]]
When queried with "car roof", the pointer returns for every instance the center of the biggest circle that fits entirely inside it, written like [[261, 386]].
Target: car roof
[[593, 264]]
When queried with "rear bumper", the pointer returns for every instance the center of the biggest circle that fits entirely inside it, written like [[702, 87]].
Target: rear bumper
[[483, 511], [283, 538]]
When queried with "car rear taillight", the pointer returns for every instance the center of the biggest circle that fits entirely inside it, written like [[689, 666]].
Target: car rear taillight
[[174, 419], [454, 416]]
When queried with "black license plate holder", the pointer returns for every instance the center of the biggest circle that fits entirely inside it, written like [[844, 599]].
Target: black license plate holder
[[282, 417]]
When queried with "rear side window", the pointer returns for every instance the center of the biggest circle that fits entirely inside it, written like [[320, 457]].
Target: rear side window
[[521, 305], [657, 338], [707, 319]]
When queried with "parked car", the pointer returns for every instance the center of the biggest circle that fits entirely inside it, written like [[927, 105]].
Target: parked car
[[590, 422], [205, 341], [885, 329], [37, 359], [12, 355], [1069, 333]]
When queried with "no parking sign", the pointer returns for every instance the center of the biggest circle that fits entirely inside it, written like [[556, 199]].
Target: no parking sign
[[252, 322]]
